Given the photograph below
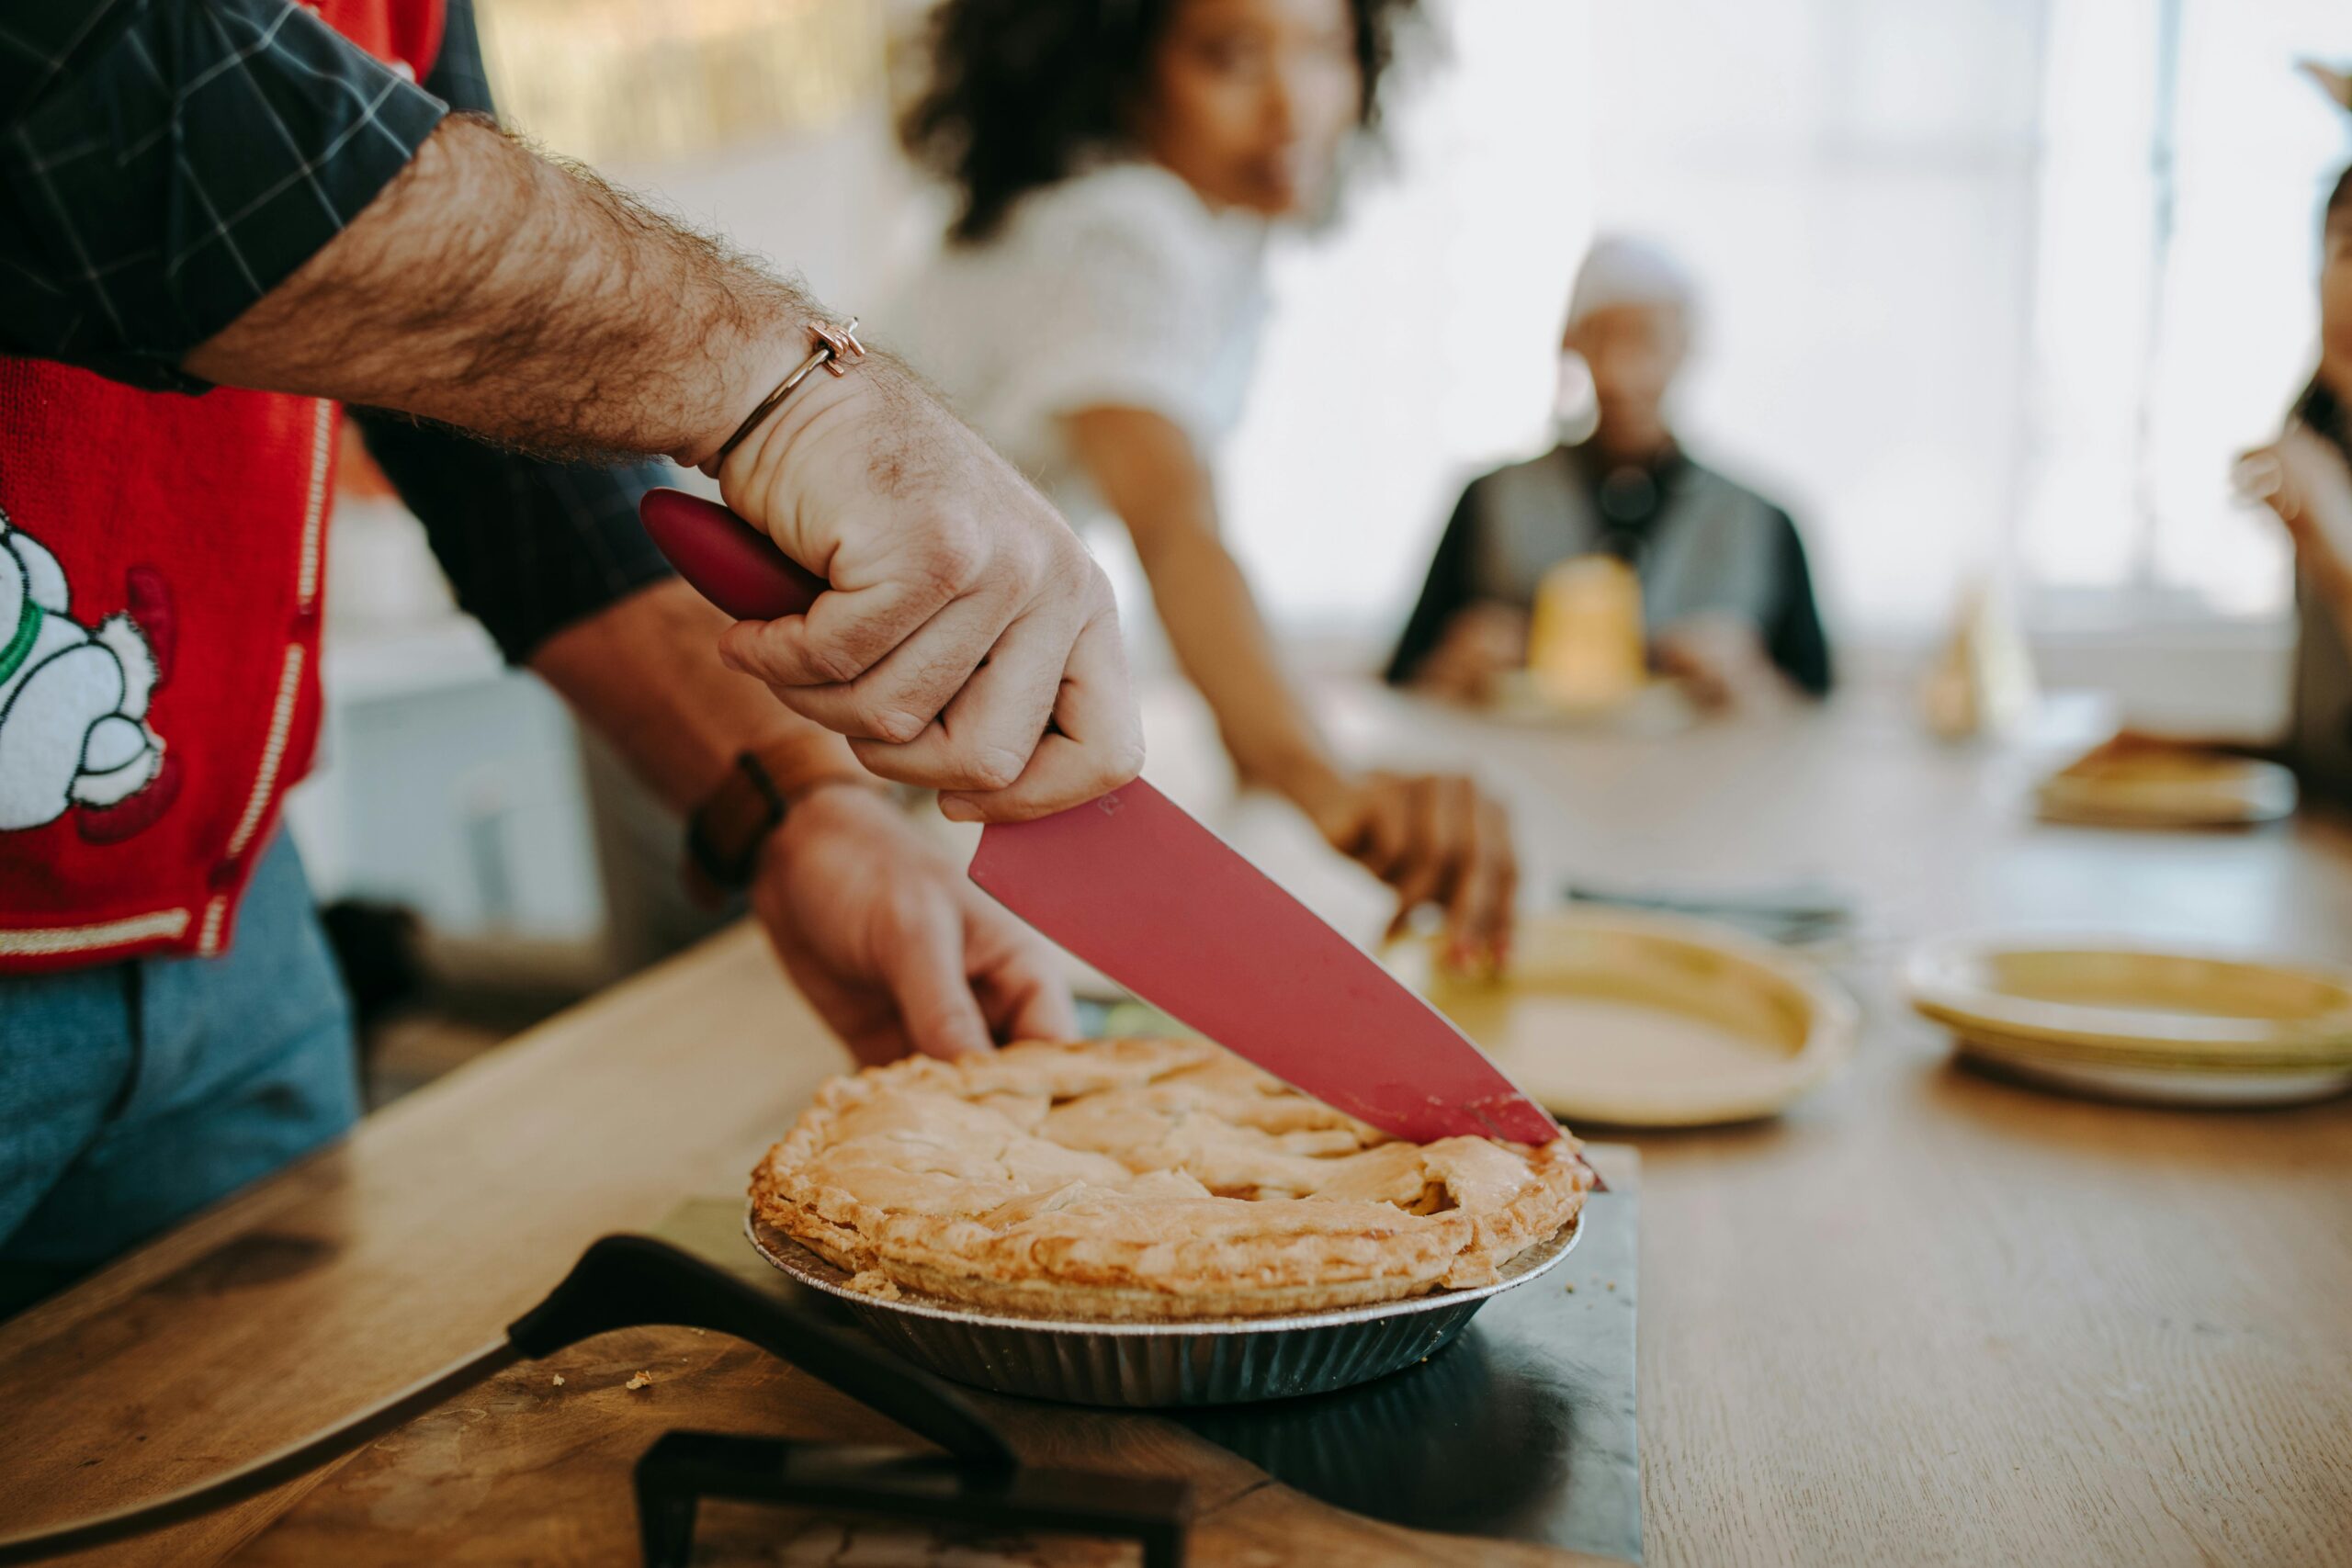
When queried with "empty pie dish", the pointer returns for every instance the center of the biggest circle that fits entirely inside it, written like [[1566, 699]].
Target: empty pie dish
[[2134, 782], [1647, 1020], [2144, 1024], [1144, 1364]]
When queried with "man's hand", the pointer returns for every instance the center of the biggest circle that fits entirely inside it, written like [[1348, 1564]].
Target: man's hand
[[889, 942], [2331, 81], [1435, 840], [494, 290], [1482, 643], [1721, 662], [964, 614]]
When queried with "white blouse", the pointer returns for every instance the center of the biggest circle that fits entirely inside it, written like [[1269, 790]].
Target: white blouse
[[1116, 287]]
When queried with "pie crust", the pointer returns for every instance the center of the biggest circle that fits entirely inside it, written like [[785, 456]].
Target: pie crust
[[1144, 1179]]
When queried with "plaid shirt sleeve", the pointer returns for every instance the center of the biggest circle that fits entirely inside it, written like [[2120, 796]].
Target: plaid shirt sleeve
[[164, 164], [529, 548]]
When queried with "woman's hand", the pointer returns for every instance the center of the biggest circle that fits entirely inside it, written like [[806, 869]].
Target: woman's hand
[[2303, 479], [1436, 839], [889, 942]]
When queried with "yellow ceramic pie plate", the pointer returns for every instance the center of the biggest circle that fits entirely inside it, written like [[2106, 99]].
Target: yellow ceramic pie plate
[[2134, 998], [2149, 784], [1648, 1020], [2140, 1022]]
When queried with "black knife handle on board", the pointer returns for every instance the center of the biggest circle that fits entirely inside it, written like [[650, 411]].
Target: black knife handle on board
[[621, 1281], [624, 1281]]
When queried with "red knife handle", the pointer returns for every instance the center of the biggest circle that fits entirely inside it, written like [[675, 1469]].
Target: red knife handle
[[726, 560]]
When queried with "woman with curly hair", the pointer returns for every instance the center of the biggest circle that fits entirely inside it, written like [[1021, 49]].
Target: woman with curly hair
[[1096, 313], [2306, 477]]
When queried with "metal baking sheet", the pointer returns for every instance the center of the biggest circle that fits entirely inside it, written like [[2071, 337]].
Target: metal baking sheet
[[1522, 1429]]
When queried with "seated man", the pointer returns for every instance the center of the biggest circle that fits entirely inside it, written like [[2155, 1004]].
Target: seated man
[[1723, 583]]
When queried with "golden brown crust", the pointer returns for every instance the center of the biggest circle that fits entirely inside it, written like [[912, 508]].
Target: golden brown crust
[[1144, 1179]]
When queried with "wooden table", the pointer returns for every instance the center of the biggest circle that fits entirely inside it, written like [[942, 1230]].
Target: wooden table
[[1926, 1316]]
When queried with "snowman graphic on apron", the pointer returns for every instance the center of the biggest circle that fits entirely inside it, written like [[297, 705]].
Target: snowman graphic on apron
[[73, 729], [160, 617]]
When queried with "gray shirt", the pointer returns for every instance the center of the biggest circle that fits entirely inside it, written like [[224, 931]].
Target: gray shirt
[[1699, 542]]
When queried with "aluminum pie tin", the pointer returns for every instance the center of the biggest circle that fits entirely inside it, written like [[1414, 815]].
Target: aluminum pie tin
[[1143, 1365]]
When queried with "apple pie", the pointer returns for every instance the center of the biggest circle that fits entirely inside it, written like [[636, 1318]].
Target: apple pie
[[1144, 1179]]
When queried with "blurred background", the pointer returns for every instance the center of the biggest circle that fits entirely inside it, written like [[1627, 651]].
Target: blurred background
[[1991, 296]]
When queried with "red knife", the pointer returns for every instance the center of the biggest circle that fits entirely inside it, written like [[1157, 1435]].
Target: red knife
[[1144, 892]]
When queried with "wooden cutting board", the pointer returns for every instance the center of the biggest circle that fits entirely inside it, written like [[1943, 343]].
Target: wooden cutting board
[[526, 1467]]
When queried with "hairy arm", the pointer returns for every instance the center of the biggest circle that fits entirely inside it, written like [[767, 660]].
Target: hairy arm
[[525, 299], [493, 290]]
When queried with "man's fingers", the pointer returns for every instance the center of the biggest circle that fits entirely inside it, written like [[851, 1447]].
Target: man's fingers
[[845, 633], [992, 728], [901, 696], [1019, 987], [1029, 1004], [1096, 747], [923, 967]]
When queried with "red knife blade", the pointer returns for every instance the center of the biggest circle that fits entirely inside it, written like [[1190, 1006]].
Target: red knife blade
[[1137, 888]]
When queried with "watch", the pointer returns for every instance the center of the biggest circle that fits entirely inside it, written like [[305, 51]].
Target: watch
[[725, 832]]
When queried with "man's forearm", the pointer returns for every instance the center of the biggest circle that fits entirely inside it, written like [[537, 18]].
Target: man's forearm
[[645, 673], [494, 290]]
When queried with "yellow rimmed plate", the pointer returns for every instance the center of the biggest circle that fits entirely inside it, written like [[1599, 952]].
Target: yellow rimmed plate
[[1646, 1020], [2135, 782], [2141, 1022], [2132, 997]]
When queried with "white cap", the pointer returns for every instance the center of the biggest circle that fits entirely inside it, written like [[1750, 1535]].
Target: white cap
[[1623, 270]]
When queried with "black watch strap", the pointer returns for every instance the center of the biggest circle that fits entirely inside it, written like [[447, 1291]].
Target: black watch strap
[[724, 833]]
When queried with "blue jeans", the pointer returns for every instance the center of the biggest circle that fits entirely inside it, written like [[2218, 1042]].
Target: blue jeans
[[133, 1094]]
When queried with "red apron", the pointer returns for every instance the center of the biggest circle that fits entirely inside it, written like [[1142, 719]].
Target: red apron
[[161, 563]]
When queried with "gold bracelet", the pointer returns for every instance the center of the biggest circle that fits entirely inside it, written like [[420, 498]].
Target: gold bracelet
[[836, 350]]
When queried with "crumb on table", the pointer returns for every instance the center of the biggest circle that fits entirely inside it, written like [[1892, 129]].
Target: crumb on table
[[642, 1379], [556, 1380]]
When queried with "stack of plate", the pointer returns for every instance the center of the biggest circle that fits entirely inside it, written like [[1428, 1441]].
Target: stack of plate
[[1647, 1020], [2132, 782], [2142, 1023]]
